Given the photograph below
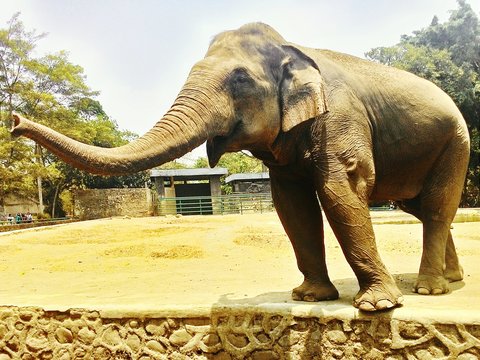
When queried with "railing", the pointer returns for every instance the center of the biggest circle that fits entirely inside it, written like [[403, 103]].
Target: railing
[[217, 205]]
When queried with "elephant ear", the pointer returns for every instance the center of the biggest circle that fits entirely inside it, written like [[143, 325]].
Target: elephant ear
[[302, 90]]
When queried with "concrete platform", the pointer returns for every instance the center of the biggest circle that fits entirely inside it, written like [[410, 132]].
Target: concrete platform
[[221, 290]]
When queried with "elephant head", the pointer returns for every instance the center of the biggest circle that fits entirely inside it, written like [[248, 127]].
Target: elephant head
[[251, 86]]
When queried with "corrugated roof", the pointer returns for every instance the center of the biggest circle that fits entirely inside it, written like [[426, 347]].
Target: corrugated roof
[[247, 176], [182, 173]]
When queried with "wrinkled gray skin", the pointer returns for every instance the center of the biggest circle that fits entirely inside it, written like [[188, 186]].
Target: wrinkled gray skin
[[326, 124]]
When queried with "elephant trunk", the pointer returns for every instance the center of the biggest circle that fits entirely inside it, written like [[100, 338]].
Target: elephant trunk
[[189, 122]]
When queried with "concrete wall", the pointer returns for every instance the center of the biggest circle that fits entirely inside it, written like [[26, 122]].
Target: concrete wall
[[101, 203], [17, 204]]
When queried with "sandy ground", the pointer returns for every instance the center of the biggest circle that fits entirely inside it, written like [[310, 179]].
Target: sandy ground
[[163, 261]]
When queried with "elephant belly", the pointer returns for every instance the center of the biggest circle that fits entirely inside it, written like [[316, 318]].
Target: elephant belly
[[396, 189], [401, 177]]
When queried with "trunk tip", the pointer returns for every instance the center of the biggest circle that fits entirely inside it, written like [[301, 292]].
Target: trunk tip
[[16, 124]]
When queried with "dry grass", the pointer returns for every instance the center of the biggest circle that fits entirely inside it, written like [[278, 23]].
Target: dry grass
[[179, 252]]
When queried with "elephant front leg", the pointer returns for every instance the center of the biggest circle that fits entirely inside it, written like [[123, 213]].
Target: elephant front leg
[[349, 217], [299, 211]]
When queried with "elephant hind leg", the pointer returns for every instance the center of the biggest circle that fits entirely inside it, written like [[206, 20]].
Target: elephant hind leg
[[436, 206], [453, 271]]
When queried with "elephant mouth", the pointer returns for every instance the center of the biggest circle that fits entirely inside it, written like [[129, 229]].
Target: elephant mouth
[[220, 144], [215, 149]]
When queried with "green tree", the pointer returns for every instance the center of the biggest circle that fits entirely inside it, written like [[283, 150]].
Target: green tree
[[447, 54], [49, 90], [235, 163], [18, 172], [460, 35]]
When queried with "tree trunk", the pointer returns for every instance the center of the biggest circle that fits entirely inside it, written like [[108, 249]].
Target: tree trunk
[[40, 195], [55, 197], [38, 153]]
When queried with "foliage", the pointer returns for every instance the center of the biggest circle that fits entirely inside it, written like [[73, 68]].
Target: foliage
[[172, 165], [235, 163], [17, 173], [49, 90], [447, 54], [16, 176]]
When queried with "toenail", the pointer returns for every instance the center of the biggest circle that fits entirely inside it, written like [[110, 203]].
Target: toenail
[[366, 306], [384, 304], [423, 291]]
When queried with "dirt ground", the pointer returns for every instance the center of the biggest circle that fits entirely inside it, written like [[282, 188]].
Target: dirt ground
[[170, 261]]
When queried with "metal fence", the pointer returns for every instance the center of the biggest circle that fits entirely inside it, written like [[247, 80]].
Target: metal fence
[[216, 205]]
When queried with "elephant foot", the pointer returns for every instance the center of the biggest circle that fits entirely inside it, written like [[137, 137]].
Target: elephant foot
[[315, 291], [453, 274], [431, 285], [378, 296]]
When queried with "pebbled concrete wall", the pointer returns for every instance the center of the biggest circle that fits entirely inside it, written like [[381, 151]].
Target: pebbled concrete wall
[[253, 333]]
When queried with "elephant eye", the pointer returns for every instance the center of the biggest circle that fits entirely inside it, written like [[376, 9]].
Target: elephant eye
[[241, 79], [240, 76], [241, 84]]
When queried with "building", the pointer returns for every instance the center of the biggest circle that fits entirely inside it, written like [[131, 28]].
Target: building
[[250, 183], [173, 185]]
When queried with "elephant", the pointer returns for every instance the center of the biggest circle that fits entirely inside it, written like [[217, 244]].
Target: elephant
[[336, 133]]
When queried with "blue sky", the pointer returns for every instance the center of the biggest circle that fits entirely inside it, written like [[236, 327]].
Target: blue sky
[[138, 53]]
